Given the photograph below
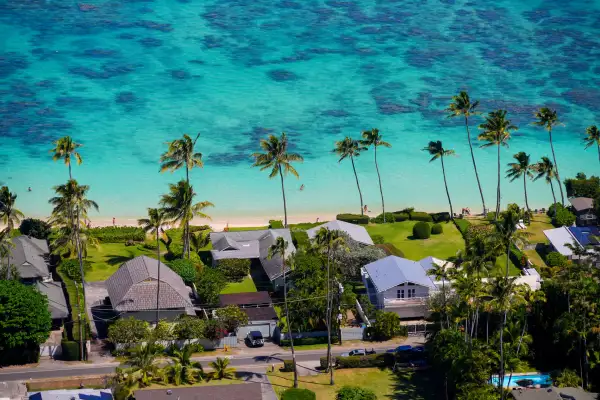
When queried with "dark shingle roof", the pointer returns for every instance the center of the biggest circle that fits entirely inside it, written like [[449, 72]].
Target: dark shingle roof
[[581, 203], [251, 298], [240, 391], [260, 313], [133, 287], [57, 304], [29, 256]]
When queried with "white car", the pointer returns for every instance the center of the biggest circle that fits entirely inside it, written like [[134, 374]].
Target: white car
[[355, 352]]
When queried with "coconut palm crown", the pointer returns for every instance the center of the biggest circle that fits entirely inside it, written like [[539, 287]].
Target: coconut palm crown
[[592, 138], [179, 154], [65, 149]]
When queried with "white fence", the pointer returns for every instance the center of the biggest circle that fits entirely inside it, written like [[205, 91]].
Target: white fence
[[52, 351], [229, 341]]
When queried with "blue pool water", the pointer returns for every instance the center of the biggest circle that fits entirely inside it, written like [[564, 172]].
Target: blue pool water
[[538, 379], [124, 76]]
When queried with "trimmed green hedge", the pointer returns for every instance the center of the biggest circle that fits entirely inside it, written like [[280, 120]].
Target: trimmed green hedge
[[437, 229], [401, 216], [307, 341], [353, 218], [518, 257], [275, 224], [420, 216], [389, 218], [422, 230], [118, 234], [298, 394], [70, 350], [372, 360], [462, 225], [288, 366], [355, 393], [300, 239], [441, 216]]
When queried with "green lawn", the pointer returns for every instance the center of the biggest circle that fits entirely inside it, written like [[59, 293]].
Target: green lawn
[[500, 267], [245, 286], [399, 234], [106, 258], [539, 223]]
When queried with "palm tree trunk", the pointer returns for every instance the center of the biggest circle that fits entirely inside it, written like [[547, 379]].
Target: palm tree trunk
[[474, 163], [284, 202], [328, 320], [562, 196], [446, 185], [598, 147], [498, 188], [501, 374], [518, 347], [552, 188], [358, 186], [289, 324], [70, 176], [380, 187], [158, 283], [507, 257], [526, 199], [79, 256]]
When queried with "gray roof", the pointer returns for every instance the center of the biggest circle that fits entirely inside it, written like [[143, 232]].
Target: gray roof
[[133, 287], [260, 314], [356, 232], [57, 304], [581, 203], [238, 391], [29, 256], [393, 271], [88, 394], [252, 244], [552, 393], [559, 237]]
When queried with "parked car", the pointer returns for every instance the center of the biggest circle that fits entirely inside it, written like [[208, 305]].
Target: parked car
[[401, 349], [358, 352], [418, 349], [255, 339]]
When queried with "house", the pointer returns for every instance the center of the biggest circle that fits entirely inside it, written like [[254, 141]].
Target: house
[[87, 394], [573, 235], [132, 291], [30, 256], [253, 245], [238, 391], [57, 304], [356, 232], [261, 314], [552, 393], [584, 210]]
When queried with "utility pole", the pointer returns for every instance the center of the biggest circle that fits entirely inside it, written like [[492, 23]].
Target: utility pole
[[79, 323]]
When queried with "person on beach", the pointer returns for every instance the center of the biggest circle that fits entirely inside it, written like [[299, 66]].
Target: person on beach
[[114, 221]]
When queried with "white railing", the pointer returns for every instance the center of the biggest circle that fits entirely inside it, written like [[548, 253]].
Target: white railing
[[409, 301]]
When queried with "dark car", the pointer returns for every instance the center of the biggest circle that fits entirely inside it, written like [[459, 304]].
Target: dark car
[[255, 339], [401, 349]]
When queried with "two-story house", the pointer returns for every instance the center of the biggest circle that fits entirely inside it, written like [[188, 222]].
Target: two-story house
[[584, 210]]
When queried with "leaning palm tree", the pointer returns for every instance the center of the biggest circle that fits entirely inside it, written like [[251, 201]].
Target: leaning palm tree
[[548, 119], [462, 105], [221, 369], [9, 215], [545, 169], [592, 138], [278, 160], [521, 168], [65, 149], [180, 153], [496, 132], [374, 138], [179, 206], [153, 224], [350, 148], [436, 150], [278, 249]]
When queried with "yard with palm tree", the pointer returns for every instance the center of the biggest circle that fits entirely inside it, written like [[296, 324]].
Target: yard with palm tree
[[106, 258]]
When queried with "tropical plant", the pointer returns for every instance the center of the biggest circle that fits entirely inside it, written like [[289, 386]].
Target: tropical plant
[[350, 148], [183, 369], [375, 139], [6, 244], [180, 153], [521, 168], [387, 326], [545, 169], [142, 370], [436, 150], [278, 159], [200, 239], [65, 149], [592, 138], [209, 285], [221, 369], [566, 378], [9, 215], [461, 105], [35, 228], [441, 273], [186, 269], [188, 327], [232, 317], [496, 132], [548, 119], [128, 331]]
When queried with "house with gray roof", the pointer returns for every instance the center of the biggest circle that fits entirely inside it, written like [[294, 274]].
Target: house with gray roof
[[57, 304], [253, 245], [132, 291], [584, 210], [31, 257], [78, 394], [259, 309], [357, 233]]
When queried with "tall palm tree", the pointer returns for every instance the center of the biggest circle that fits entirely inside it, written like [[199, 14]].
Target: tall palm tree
[[221, 369], [521, 168], [506, 234], [350, 148], [278, 250], [436, 150], [278, 159], [6, 244], [592, 138], [65, 149], [496, 132], [179, 206], [548, 119], [153, 224], [545, 169], [462, 105], [374, 138], [180, 153], [440, 272], [9, 215]]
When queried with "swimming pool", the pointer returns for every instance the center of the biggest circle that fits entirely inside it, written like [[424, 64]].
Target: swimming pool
[[537, 379]]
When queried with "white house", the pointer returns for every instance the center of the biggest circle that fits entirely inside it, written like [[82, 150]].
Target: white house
[[356, 232]]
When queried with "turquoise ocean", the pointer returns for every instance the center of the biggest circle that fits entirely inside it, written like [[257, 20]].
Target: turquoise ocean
[[123, 77]]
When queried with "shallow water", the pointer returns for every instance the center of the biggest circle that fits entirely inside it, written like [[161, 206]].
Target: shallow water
[[123, 77]]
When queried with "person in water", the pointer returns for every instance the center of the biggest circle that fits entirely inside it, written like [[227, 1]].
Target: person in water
[[302, 187]]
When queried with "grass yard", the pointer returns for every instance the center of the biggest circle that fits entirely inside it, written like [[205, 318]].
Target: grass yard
[[535, 258], [500, 267], [108, 257], [246, 285], [440, 246], [539, 223]]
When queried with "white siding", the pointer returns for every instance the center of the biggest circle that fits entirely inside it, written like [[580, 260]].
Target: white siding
[[392, 294]]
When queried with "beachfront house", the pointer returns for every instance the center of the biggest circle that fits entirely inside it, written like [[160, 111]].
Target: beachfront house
[[253, 245], [579, 236], [259, 309], [132, 291], [584, 210], [357, 233]]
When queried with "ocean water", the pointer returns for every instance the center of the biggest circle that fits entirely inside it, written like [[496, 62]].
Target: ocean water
[[124, 76]]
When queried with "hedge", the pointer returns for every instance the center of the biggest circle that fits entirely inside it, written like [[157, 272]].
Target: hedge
[[440, 217], [300, 239], [275, 224], [288, 366], [463, 226], [70, 350], [422, 230], [234, 269], [369, 361], [307, 341], [389, 218], [420, 216], [355, 393], [117, 234], [518, 257], [555, 259], [298, 394], [401, 216], [437, 229], [20, 355], [353, 218]]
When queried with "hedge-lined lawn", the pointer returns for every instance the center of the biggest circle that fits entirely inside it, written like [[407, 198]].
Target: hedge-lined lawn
[[500, 267], [399, 234], [539, 223], [106, 258], [245, 286]]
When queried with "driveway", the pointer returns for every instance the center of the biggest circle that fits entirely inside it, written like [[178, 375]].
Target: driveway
[[99, 311]]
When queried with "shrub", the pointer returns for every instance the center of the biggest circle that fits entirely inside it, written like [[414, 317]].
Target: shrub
[[35, 228], [390, 249], [563, 217], [389, 218], [420, 216], [378, 239], [462, 225], [275, 224], [20, 355], [232, 317], [307, 341], [234, 269], [209, 284], [70, 267], [369, 361], [555, 259], [437, 229], [188, 328], [118, 234], [491, 216], [150, 245], [214, 329], [355, 393], [421, 230], [400, 216], [288, 366], [298, 394], [162, 331], [300, 239], [353, 218], [387, 326], [128, 331], [368, 307], [186, 269], [70, 350], [566, 378], [518, 257], [441, 216]]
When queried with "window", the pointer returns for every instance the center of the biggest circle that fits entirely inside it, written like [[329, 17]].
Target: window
[[400, 294], [411, 293]]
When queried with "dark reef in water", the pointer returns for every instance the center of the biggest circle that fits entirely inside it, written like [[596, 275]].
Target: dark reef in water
[[151, 42], [282, 75]]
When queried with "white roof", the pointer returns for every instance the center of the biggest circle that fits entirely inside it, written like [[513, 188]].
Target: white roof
[[392, 271], [533, 281], [427, 263], [559, 237], [356, 232]]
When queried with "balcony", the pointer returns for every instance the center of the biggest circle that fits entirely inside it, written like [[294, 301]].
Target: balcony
[[407, 302]]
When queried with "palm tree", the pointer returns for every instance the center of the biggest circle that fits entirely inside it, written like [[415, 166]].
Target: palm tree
[[278, 159], [545, 169], [9, 215], [496, 132], [436, 150], [143, 368], [593, 138], [179, 206], [350, 148], [521, 168], [6, 244], [64, 149], [153, 224], [440, 272], [278, 249], [184, 369], [506, 234], [461, 105], [180, 153], [221, 369], [548, 118], [374, 138], [200, 239]]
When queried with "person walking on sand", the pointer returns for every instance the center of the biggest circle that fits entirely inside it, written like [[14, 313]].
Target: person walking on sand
[[114, 221]]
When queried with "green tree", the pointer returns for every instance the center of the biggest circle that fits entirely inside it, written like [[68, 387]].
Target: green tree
[[278, 159], [188, 328], [355, 393], [496, 132], [162, 331], [183, 369], [186, 269], [375, 139], [350, 148], [461, 105], [35, 228], [221, 369], [548, 119], [592, 138], [209, 284], [128, 331], [232, 317], [234, 269], [142, 370], [200, 239], [521, 168], [65, 149], [6, 244], [9, 215], [387, 326], [436, 150], [180, 153], [545, 169], [441, 273], [566, 378]]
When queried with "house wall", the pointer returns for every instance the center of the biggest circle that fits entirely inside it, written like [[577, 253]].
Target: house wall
[[150, 316], [391, 294], [265, 327]]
